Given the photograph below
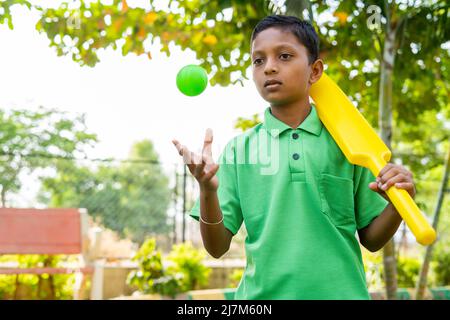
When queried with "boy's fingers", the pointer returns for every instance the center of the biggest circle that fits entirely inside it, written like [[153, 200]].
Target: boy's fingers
[[382, 175], [187, 155], [408, 186], [178, 146], [385, 169], [208, 175], [390, 173], [198, 171], [398, 178], [207, 143], [197, 158], [404, 185], [200, 165], [207, 159], [374, 186]]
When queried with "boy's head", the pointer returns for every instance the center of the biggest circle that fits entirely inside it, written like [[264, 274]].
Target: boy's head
[[285, 49]]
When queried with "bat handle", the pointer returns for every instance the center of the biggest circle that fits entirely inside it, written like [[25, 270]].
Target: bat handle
[[412, 215], [405, 205]]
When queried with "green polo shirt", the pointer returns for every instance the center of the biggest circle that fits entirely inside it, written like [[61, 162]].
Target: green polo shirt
[[302, 203]]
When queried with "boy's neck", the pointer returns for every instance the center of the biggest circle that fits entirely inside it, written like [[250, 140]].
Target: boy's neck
[[292, 114]]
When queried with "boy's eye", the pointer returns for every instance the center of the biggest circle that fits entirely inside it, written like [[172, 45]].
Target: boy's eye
[[283, 56]]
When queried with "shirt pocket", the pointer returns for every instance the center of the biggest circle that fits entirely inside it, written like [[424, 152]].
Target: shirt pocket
[[336, 199]]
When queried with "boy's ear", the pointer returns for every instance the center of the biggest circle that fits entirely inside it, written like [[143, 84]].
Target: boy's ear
[[316, 71]]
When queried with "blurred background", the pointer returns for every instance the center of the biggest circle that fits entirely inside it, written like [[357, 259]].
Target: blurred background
[[89, 106]]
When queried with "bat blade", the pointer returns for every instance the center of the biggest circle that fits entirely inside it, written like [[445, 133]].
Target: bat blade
[[353, 134]]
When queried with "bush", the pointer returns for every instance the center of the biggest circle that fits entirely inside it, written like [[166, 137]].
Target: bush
[[408, 269], [188, 261], [441, 259], [235, 278], [373, 266], [185, 271], [29, 286], [407, 272]]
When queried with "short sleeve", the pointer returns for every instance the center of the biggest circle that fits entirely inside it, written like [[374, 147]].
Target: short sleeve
[[368, 203], [227, 193]]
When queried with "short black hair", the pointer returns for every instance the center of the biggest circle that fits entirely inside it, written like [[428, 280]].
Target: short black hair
[[303, 30]]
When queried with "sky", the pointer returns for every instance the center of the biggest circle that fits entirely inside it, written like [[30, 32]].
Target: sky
[[125, 99]]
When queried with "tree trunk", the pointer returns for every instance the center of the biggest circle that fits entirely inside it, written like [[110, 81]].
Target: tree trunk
[[385, 124], [422, 281], [3, 195], [403, 245]]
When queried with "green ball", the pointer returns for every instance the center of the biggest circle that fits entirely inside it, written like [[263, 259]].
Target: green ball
[[192, 80]]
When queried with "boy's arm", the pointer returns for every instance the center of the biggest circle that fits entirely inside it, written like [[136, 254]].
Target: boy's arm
[[383, 227], [216, 238]]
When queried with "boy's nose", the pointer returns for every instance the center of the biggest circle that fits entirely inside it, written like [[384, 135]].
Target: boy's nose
[[270, 71], [270, 68]]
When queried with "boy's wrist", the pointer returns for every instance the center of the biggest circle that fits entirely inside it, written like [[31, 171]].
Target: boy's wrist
[[207, 191]]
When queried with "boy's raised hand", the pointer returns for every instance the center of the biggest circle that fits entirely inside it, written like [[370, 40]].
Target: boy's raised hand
[[202, 167]]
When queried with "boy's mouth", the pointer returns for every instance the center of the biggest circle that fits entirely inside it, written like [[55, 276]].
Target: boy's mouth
[[272, 83]]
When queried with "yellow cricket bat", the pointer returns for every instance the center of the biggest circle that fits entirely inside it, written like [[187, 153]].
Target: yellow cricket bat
[[361, 146]]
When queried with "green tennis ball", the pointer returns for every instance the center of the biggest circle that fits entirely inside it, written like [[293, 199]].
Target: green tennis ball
[[192, 80]]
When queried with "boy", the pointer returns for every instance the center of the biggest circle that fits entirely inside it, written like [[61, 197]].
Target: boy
[[302, 215]]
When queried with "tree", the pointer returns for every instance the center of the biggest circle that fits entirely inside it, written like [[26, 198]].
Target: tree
[[131, 198], [5, 10], [422, 281], [30, 139], [218, 31]]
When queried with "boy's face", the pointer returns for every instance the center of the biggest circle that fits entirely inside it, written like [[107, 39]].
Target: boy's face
[[278, 56]]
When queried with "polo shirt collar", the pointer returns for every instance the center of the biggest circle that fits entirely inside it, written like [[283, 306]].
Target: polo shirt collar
[[311, 124]]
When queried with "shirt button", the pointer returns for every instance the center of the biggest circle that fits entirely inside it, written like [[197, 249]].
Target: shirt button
[[296, 156], [295, 135]]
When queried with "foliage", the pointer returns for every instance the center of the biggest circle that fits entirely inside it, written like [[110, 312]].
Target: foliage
[[185, 272], [151, 277], [408, 269], [244, 124], [130, 198], [187, 260], [29, 139], [441, 259], [407, 272], [217, 31], [59, 287], [235, 278], [373, 266], [5, 10]]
